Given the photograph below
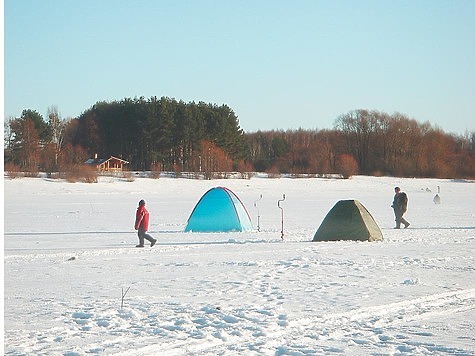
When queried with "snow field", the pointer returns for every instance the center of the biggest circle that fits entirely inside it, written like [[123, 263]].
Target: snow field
[[68, 254]]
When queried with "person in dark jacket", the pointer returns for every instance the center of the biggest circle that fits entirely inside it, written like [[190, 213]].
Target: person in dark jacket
[[400, 207], [141, 225]]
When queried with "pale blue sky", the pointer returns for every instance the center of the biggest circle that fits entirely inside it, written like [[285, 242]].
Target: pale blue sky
[[277, 64]]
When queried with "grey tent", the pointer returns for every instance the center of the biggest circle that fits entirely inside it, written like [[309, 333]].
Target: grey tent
[[348, 220]]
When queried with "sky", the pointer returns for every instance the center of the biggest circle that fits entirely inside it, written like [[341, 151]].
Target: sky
[[278, 64]]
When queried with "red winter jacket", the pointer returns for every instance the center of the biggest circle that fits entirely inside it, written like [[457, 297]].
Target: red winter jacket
[[141, 219]]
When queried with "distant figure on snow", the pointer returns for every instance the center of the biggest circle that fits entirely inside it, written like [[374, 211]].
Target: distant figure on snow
[[400, 207], [437, 199], [141, 224]]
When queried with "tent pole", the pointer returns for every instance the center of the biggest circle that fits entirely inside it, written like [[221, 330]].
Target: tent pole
[[282, 215], [258, 216]]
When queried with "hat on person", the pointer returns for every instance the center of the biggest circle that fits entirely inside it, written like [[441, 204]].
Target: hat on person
[[142, 202]]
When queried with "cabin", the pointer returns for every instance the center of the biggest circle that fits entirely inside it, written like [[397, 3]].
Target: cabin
[[112, 164]]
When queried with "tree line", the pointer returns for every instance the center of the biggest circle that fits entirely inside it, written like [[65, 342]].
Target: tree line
[[366, 142], [166, 134]]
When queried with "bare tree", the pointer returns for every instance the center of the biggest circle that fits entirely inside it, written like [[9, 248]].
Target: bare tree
[[57, 127], [28, 145], [346, 165]]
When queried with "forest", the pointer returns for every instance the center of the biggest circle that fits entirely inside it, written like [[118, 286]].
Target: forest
[[163, 134]]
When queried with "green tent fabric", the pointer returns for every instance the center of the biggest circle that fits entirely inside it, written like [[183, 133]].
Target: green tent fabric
[[348, 220]]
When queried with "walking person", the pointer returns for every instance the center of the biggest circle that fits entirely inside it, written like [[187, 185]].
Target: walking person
[[141, 225], [400, 207]]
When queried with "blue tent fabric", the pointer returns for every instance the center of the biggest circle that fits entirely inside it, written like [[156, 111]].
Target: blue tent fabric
[[219, 210]]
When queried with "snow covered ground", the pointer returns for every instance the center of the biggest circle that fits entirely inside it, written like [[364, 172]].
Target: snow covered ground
[[69, 255]]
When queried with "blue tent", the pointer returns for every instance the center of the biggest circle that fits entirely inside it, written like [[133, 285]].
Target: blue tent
[[219, 210]]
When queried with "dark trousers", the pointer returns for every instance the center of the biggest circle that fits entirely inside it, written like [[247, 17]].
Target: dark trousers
[[399, 219], [143, 235]]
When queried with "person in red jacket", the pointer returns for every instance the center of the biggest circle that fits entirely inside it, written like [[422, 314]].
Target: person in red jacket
[[141, 225]]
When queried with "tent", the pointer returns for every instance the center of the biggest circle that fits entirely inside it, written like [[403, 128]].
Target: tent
[[348, 220], [219, 210]]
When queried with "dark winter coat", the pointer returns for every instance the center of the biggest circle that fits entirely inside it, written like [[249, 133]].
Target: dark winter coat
[[141, 218], [400, 202]]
